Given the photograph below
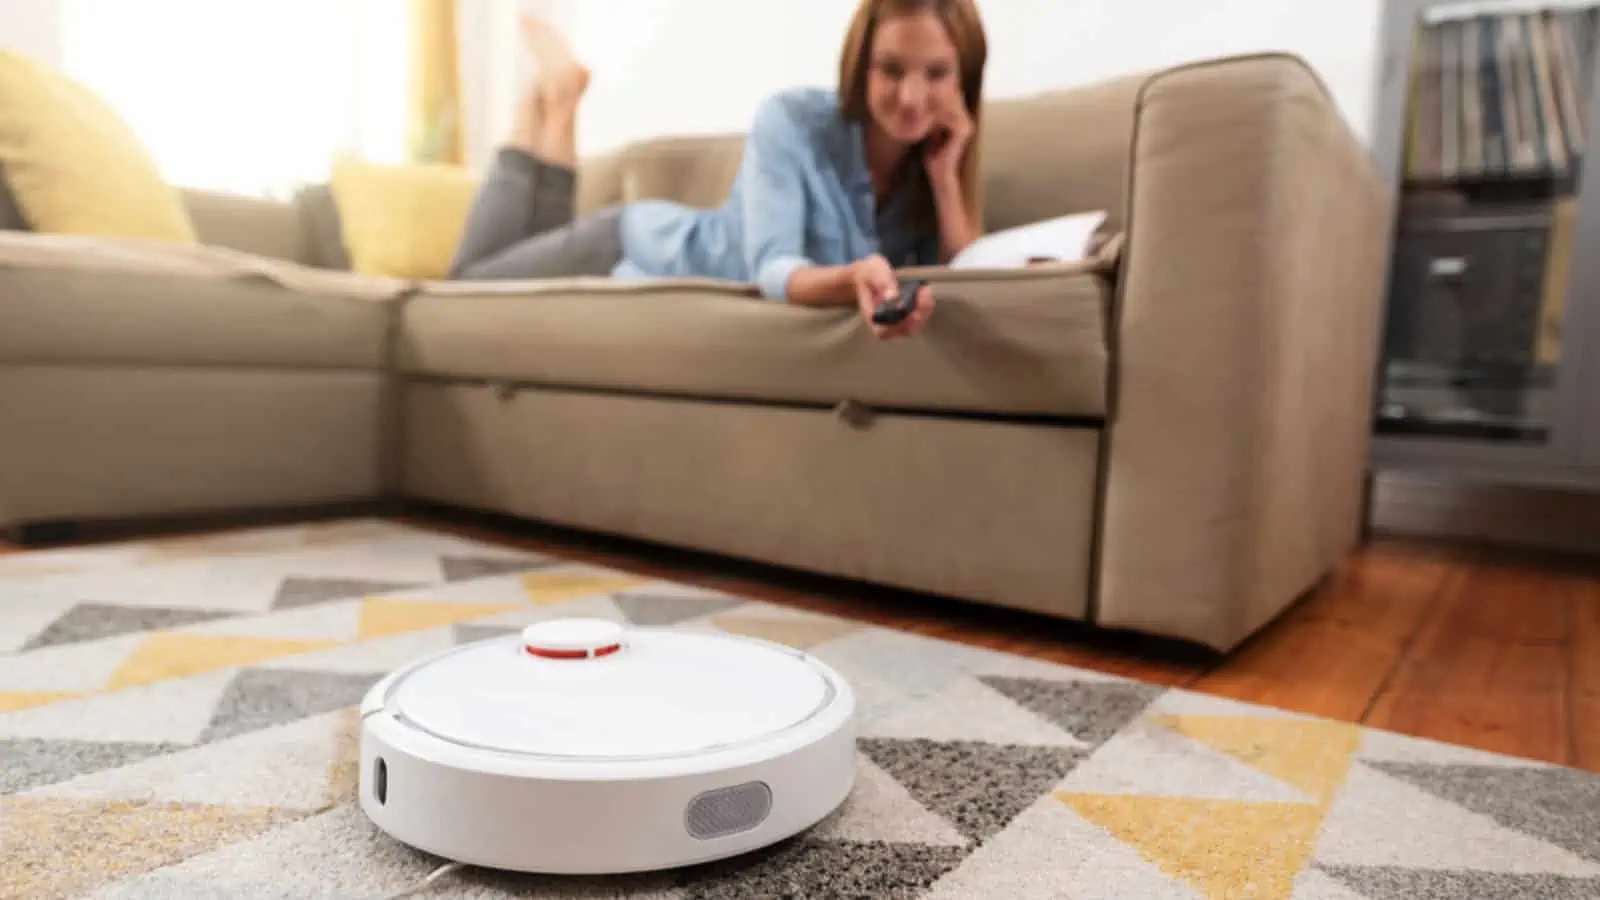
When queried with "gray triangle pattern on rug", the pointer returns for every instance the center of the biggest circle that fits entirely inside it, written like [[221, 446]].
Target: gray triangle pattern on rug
[[296, 592], [92, 621], [1561, 806], [1388, 883], [1091, 711], [802, 868], [28, 763], [978, 787], [468, 633], [261, 698], [654, 610], [466, 568]]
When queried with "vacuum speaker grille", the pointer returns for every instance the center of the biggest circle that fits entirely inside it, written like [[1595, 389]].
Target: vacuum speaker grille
[[728, 810]]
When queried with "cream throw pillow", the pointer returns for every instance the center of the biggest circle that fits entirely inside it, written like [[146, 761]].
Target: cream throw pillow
[[401, 221], [74, 166]]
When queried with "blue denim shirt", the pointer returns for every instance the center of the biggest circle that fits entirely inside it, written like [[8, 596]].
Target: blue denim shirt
[[803, 196]]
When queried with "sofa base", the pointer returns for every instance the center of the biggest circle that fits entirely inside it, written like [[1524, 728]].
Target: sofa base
[[907, 501], [96, 444]]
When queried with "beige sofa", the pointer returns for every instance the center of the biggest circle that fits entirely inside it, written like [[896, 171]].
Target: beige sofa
[[1171, 438]]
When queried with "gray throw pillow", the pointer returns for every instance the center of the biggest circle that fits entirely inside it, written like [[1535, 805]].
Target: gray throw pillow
[[319, 214], [11, 218]]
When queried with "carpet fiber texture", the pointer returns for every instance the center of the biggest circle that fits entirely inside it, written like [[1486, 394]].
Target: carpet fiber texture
[[176, 722]]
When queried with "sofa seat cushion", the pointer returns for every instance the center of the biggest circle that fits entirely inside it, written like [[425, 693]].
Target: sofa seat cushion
[[66, 300], [1018, 342]]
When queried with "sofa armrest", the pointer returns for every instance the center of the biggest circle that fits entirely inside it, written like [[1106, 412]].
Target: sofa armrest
[[1245, 338]]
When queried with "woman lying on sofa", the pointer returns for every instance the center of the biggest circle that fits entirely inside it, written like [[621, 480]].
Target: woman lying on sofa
[[834, 190]]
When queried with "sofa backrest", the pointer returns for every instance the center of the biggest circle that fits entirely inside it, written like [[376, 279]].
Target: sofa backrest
[[698, 170], [1049, 154], [305, 230], [1059, 152], [264, 227]]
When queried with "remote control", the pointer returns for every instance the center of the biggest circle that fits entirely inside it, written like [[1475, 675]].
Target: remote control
[[893, 312]]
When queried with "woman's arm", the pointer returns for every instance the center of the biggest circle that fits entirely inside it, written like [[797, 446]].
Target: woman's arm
[[813, 285], [774, 210], [774, 215]]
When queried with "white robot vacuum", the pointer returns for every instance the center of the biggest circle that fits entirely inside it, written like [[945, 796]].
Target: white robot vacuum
[[585, 747]]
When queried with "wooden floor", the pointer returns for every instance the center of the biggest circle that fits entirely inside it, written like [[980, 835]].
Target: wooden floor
[[1483, 648]]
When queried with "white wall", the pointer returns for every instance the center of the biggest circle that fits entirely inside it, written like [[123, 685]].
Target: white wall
[[494, 72], [676, 66], [660, 69], [32, 27], [701, 66]]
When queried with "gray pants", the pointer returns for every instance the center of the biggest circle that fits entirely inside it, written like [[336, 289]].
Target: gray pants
[[522, 225]]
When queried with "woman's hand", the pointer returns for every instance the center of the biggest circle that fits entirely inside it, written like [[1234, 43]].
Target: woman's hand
[[875, 282], [948, 143], [942, 156]]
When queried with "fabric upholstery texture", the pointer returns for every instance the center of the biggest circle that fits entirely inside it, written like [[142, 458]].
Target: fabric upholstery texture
[[127, 441], [1246, 333], [1028, 342], [251, 225], [1170, 438], [66, 316], [213, 264], [999, 512], [319, 216]]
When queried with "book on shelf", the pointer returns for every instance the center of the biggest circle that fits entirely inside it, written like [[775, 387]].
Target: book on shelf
[[1501, 95]]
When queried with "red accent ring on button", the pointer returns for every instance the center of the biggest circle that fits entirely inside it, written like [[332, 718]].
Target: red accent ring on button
[[546, 653]]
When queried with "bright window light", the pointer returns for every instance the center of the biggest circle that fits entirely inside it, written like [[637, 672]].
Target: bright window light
[[250, 96]]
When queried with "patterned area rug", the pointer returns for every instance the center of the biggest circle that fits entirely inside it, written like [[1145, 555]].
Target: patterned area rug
[[175, 722]]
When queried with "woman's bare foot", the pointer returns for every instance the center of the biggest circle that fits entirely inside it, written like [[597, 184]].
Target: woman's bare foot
[[546, 44], [556, 94], [530, 117]]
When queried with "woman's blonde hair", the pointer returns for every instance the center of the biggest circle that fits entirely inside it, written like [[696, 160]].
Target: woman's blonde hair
[[962, 21]]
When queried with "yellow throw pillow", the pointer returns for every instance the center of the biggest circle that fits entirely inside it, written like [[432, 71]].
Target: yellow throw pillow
[[74, 166], [401, 221]]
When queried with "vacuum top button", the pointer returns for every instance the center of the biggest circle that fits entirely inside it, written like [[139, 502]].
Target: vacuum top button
[[573, 638]]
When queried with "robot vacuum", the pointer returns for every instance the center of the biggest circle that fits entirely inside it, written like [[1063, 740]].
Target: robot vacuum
[[586, 747]]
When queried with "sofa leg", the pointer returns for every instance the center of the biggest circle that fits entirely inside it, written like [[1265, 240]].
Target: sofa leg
[[39, 534], [1369, 488], [397, 507]]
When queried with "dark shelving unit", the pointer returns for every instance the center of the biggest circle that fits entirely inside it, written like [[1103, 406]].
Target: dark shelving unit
[[1489, 362]]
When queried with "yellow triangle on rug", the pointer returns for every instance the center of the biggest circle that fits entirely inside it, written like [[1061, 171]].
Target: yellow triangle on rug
[[1224, 848], [381, 617], [11, 701], [94, 843], [166, 655], [550, 588], [1310, 754], [799, 633]]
